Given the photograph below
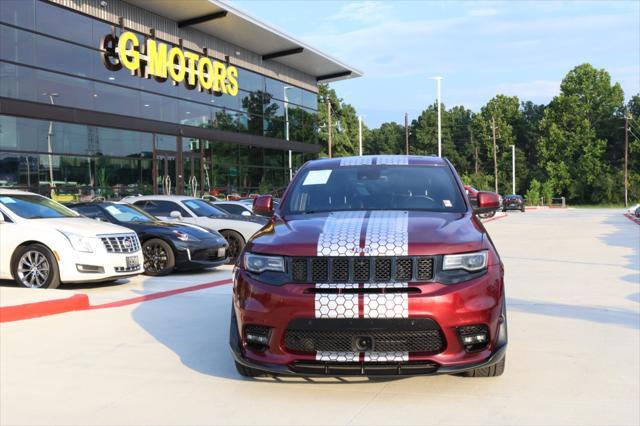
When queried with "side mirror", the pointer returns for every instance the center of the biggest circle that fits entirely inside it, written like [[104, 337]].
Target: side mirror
[[263, 205], [487, 202], [175, 214], [245, 213]]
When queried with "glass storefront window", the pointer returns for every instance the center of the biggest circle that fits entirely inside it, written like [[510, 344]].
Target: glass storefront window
[[18, 12], [19, 171], [166, 143], [62, 23], [16, 45]]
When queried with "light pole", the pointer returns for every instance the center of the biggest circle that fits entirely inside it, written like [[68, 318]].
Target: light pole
[[49, 147], [286, 128], [513, 169], [438, 80], [360, 134]]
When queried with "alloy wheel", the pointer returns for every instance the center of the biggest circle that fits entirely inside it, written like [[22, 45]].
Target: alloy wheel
[[155, 258], [33, 269]]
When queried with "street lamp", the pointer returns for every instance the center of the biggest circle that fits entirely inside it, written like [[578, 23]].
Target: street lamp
[[49, 147], [513, 169], [360, 134], [438, 80]]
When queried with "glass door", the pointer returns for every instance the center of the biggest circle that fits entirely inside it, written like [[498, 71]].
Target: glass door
[[165, 173]]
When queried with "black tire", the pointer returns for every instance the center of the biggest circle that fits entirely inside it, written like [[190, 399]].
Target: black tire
[[159, 258], [522, 209], [44, 263], [494, 370], [236, 244], [245, 371]]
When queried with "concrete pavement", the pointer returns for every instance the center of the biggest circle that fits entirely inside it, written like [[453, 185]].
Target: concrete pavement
[[573, 288]]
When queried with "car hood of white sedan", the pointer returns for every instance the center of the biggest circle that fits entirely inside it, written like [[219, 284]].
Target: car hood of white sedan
[[79, 225]]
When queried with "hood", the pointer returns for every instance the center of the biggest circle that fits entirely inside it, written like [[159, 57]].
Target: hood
[[374, 233], [80, 225]]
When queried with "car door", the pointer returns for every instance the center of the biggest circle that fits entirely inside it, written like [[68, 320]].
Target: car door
[[9, 240]]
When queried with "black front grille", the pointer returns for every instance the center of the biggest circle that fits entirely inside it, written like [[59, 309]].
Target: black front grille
[[359, 269], [320, 269], [386, 335]]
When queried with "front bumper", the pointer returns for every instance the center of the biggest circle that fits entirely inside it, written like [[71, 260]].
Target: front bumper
[[199, 254], [113, 266], [478, 301]]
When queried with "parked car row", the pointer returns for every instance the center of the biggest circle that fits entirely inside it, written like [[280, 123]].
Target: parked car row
[[44, 243]]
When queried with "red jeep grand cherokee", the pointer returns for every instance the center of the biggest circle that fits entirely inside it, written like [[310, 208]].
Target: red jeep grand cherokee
[[372, 265]]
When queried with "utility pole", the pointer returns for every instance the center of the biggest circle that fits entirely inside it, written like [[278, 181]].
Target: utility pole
[[360, 135], [513, 169], [406, 132], [495, 152], [626, 159], [438, 80], [329, 127]]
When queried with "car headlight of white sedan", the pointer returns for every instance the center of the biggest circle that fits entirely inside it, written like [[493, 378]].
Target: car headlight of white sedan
[[78, 242]]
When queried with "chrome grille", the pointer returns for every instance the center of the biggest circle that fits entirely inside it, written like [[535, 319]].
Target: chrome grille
[[125, 243], [360, 269]]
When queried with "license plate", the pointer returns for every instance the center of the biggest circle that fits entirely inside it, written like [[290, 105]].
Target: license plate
[[133, 262], [221, 252]]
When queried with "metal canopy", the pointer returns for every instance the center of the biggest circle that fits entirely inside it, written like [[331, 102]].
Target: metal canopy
[[282, 53], [201, 19], [245, 31]]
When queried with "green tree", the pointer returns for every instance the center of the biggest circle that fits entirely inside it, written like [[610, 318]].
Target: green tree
[[574, 141]]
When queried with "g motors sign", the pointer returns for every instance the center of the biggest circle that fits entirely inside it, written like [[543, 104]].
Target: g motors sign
[[162, 62]]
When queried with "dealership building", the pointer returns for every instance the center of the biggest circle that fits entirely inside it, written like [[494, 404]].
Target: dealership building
[[121, 97]]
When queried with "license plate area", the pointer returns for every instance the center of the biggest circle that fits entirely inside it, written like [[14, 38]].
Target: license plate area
[[133, 262]]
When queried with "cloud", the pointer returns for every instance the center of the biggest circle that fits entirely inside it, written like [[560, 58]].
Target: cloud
[[362, 11], [534, 90]]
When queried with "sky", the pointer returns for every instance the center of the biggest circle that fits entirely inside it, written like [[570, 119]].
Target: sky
[[481, 48]]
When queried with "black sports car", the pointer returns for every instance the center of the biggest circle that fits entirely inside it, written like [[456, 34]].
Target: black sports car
[[513, 202], [166, 245]]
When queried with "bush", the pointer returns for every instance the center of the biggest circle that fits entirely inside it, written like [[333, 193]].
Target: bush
[[533, 194]]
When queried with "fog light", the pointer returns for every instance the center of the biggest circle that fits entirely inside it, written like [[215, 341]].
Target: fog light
[[257, 336], [474, 337], [93, 269]]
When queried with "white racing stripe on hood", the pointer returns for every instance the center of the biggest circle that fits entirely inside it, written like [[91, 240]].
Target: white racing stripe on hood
[[340, 235], [387, 233]]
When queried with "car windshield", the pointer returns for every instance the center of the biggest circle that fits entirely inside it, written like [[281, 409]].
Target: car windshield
[[202, 208], [35, 207], [431, 188], [126, 213]]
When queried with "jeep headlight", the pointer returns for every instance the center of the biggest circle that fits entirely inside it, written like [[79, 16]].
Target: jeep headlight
[[468, 261], [79, 242], [259, 263]]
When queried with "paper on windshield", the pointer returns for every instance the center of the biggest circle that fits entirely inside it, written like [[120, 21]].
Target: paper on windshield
[[317, 177], [7, 200], [113, 210]]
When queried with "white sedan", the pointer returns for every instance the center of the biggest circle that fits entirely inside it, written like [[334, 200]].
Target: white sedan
[[43, 244], [199, 212]]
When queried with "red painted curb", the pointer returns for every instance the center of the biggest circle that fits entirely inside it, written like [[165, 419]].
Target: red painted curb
[[632, 218], [158, 295], [41, 309], [80, 302]]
